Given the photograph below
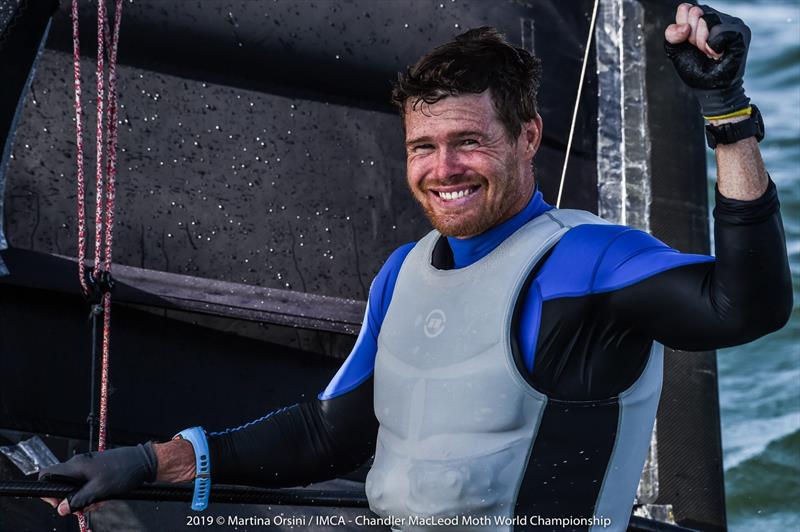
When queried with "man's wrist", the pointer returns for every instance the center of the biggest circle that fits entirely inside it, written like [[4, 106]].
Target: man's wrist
[[733, 120], [176, 461], [735, 127]]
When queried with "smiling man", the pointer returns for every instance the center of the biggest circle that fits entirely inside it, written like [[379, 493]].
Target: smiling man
[[465, 168], [509, 367]]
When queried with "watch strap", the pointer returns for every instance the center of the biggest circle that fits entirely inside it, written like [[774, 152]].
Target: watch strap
[[736, 131], [202, 482]]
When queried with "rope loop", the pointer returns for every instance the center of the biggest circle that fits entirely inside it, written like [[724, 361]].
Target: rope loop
[[98, 284]]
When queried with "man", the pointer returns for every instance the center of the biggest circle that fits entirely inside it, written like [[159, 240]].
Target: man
[[510, 362]]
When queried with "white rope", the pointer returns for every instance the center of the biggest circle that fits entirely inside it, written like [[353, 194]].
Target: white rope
[[577, 101]]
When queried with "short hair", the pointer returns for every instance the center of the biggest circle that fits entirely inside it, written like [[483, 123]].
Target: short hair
[[476, 60]]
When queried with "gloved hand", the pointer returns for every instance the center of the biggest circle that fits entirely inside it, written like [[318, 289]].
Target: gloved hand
[[103, 475], [709, 51]]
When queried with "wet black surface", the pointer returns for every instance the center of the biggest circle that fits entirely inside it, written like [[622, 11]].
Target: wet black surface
[[277, 172]]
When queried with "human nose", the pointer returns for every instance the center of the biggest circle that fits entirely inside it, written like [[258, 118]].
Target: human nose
[[448, 164]]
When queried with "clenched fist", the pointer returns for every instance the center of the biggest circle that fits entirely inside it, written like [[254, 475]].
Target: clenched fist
[[709, 51]]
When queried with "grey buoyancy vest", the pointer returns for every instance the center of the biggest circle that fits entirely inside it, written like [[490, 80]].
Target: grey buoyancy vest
[[457, 420]]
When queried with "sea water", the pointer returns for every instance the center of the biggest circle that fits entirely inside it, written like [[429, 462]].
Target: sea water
[[759, 383]]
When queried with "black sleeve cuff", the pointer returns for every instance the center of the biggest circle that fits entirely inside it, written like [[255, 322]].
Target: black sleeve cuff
[[747, 212], [216, 450]]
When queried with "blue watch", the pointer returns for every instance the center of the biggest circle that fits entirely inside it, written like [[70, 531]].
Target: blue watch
[[202, 482]]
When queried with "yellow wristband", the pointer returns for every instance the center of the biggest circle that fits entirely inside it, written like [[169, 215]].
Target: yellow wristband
[[747, 111]]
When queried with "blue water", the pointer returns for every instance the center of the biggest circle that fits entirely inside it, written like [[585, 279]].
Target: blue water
[[760, 382]]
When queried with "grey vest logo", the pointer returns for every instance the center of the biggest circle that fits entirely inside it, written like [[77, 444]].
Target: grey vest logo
[[434, 323]]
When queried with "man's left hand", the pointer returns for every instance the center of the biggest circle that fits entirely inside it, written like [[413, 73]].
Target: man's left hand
[[709, 51]]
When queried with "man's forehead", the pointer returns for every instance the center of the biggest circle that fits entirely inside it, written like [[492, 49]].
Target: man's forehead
[[468, 111]]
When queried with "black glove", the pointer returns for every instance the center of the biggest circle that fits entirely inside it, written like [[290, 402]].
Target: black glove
[[103, 475], [717, 84]]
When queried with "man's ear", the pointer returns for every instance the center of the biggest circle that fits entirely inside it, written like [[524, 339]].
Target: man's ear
[[532, 135]]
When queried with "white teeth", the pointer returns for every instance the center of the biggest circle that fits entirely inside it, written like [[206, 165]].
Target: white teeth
[[455, 195]]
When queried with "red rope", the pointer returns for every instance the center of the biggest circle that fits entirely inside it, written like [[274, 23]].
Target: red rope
[[76, 67], [82, 522], [111, 162], [99, 189], [105, 188], [110, 196]]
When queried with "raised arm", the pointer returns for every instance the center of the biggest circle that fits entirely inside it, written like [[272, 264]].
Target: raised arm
[[709, 52], [744, 294], [747, 291]]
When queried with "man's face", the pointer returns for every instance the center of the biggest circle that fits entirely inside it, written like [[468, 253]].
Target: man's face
[[463, 169]]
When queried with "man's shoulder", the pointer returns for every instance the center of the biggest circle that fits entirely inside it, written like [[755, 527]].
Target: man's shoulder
[[393, 263], [594, 258]]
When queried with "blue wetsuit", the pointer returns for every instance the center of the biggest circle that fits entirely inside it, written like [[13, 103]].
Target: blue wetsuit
[[585, 326]]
